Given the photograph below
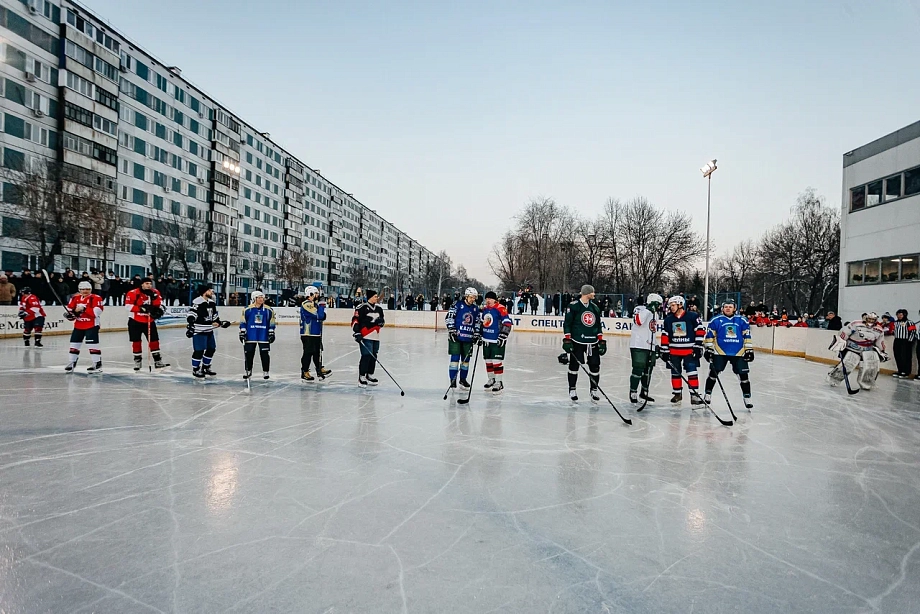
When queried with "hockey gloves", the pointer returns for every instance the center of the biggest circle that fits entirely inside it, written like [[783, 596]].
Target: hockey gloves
[[748, 356], [709, 354], [358, 337], [271, 336], [225, 323], [190, 330], [697, 352], [567, 345], [157, 312], [23, 313], [882, 356], [602, 347], [452, 334], [477, 338], [242, 336], [665, 357], [502, 339], [144, 308]]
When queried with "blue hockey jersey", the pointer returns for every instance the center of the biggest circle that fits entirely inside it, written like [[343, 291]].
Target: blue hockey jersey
[[464, 319], [494, 320], [312, 316], [257, 321], [729, 336]]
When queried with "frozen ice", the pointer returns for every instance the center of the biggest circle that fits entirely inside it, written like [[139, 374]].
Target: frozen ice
[[140, 492]]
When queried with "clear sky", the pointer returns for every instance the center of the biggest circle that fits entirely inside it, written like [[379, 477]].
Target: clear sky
[[447, 117]]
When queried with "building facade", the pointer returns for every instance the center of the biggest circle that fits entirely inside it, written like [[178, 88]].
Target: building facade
[[199, 193], [880, 226]]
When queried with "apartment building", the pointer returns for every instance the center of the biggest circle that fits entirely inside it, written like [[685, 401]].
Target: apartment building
[[199, 192]]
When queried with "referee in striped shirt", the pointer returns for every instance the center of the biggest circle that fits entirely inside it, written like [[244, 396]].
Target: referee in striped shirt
[[905, 333]]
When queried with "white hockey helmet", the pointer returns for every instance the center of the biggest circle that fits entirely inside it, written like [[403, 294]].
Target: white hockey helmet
[[654, 299], [256, 295], [471, 292], [677, 299], [871, 318], [84, 285], [311, 291]]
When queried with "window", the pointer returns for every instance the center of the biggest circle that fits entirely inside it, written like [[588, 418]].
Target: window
[[892, 188], [138, 248], [912, 182], [175, 207], [890, 269], [158, 203], [103, 125], [138, 197], [873, 193], [140, 146], [910, 268], [871, 272], [191, 213], [142, 70], [858, 198], [78, 114], [138, 171], [80, 85]]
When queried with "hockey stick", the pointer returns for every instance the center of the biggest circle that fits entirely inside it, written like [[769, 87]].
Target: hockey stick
[[50, 287], [649, 366], [149, 353], [588, 373], [722, 388], [248, 378], [692, 390], [456, 376], [846, 376], [402, 392], [472, 378]]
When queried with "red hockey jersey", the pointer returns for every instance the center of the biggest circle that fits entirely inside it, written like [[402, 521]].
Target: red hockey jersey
[[32, 307], [136, 298], [89, 315]]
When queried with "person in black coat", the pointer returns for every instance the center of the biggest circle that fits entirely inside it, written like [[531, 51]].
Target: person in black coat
[[833, 321]]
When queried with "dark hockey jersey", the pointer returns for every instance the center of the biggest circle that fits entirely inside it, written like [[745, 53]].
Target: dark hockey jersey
[[682, 333], [203, 314]]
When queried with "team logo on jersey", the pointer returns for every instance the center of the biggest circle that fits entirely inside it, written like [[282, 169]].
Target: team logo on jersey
[[653, 325], [487, 320], [468, 319], [680, 329], [587, 318], [731, 331]]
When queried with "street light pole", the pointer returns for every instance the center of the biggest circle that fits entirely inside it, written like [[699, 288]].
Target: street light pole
[[707, 171]]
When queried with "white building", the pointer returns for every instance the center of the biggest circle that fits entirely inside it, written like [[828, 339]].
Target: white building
[[181, 169], [880, 226]]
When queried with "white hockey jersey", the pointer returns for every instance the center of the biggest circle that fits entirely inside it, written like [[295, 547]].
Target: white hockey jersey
[[860, 337], [644, 327]]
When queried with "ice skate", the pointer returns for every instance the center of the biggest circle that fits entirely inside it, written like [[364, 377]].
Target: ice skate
[[158, 362], [748, 403], [138, 363], [26, 342], [323, 373], [633, 397], [372, 381], [207, 370], [695, 398], [199, 373], [573, 394], [38, 344], [308, 377], [644, 395], [677, 399], [489, 383], [497, 388], [247, 374], [362, 383], [595, 395], [96, 368], [707, 398], [69, 368], [464, 384], [265, 375]]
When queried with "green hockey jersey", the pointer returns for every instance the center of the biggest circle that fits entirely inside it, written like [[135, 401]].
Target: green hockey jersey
[[583, 322]]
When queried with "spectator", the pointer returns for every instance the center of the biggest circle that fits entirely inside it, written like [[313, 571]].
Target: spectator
[[434, 304], [557, 303], [7, 291], [750, 310], [887, 324], [97, 279], [905, 333], [172, 291], [25, 279], [391, 303], [420, 302], [802, 322], [833, 321], [183, 293], [234, 300], [59, 285], [70, 278], [811, 320], [409, 303], [42, 289], [534, 304]]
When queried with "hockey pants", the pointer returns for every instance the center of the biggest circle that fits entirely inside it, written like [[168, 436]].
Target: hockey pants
[[203, 348], [643, 361], [368, 363], [137, 331], [312, 351], [91, 336], [688, 363], [37, 325], [587, 355], [739, 368], [249, 352]]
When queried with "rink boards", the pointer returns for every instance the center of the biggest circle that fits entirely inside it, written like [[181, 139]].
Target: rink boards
[[808, 343]]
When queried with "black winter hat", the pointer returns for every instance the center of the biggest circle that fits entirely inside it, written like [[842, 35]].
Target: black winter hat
[[491, 295], [202, 288], [370, 293]]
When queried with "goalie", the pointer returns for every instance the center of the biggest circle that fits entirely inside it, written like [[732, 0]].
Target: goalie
[[861, 345]]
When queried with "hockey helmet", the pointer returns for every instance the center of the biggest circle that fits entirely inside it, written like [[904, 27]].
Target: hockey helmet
[[653, 299], [471, 292], [871, 317], [257, 294], [677, 299], [84, 285], [28, 290], [563, 358], [311, 291]]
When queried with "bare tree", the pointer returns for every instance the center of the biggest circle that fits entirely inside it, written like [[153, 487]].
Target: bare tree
[[295, 267], [541, 227], [509, 261]]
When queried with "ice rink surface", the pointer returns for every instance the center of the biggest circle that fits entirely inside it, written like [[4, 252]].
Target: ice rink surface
[[128, 492]]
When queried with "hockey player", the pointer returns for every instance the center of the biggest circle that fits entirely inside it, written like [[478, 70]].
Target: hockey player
[[642, 347], [312, 316], [365, 327], [861, 344], [728, 340], [145, 307], [584, 341], [257, 330], [682, 348], [496, 326], [33, 316], [202, 320], [84, 310], [464, 329]]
